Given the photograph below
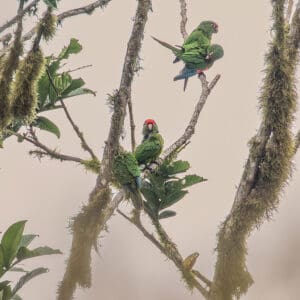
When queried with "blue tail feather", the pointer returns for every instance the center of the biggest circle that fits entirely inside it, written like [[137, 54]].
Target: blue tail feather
[[185, 73]]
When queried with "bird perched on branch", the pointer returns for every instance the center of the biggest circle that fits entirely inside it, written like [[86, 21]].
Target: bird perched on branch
[[196, 52], [199, 39], [126, 171], [200, 64], [152, 144]]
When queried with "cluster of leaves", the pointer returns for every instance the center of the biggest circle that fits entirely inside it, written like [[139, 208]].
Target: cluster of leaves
[[13, 250], [49, 96], [164, 188]]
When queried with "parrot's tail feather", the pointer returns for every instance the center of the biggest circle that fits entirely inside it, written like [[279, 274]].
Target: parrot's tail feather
[[174, 49], [185, 83], [136, 197], [177, 59], [185, 73]]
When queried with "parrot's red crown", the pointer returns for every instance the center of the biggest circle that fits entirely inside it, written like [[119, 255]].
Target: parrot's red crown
[[149, 121]]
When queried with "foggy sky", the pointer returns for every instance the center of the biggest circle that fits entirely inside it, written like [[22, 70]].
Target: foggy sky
[[49, 193]]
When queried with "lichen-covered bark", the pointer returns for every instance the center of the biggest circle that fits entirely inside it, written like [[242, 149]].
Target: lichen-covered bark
[[93, 217], [267, 170]]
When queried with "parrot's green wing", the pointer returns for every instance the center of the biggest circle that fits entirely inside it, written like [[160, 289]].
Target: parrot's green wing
[[150, 149], [125, 168]]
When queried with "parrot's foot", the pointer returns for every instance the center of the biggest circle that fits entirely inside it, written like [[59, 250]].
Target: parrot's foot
[[200, 72]]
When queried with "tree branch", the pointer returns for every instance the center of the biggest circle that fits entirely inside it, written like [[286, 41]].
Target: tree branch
[[93, 217], [47, 151], [289, 10], [132, 125], [84, 144], [190, 129], [297, 141], [183, 13], [87, 9], [19, 15]]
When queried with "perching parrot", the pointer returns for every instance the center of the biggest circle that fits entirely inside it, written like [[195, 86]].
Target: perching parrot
[[126, 171], [200, 64], [152, 144], [199, 39]]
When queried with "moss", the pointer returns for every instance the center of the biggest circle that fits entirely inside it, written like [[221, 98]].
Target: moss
[[24, 92], [92, 165], [47, 26], [8, 66], [278, 104]]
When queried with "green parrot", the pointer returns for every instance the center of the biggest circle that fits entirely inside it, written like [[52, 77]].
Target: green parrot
[[126, 171], [152, 144], [199, 39], [199, 63]]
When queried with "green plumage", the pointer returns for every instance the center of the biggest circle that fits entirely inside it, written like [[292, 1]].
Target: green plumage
[[197, 43], [150, 149], [126, 171]]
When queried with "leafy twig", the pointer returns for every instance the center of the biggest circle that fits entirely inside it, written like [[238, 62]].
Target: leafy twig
[[84, 144]]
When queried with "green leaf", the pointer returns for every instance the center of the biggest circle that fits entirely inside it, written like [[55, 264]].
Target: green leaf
[[1, 259], [150, 196], [11, 242], [51, 3], [44, 123], [27, 239], [73, 48], [3, 284], [7, 293], [190, 180], [80, 91], [62, 82], [166, 214], [28, 276], [172, 198], [17, 269], [73, 85], [178, 166], [16, 297], [25, 253]]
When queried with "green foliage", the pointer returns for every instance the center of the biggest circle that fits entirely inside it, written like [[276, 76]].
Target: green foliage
[[163, 189], [92, 165], [44, 123], [44, 94], [13, 250]]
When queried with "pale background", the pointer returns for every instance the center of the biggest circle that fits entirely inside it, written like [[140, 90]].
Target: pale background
[[48, 193]]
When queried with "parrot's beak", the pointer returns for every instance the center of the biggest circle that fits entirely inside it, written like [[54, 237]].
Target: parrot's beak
[[150, 126]]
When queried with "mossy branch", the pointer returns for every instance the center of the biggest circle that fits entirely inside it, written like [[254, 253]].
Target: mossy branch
[[169, 249], [267, 170], [93, 217]]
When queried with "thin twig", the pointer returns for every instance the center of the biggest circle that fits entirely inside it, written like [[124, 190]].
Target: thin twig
[[183, 13], [132, 125], [47, 151], [79, 68], [190, 129], [84, 144], [18, 16], [88, 9], [289, 10]]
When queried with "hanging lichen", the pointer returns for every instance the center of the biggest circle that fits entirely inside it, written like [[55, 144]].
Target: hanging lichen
[[25, 87]]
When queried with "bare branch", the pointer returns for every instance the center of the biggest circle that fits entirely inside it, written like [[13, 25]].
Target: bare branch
[[190, 129], [84, 144], [183, 13], [47, 151], [289, 10], [19, 15], [132, 125], [79, 68]]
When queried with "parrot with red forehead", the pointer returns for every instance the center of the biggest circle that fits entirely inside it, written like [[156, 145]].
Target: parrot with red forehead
[[152, 144], [199, 40]]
